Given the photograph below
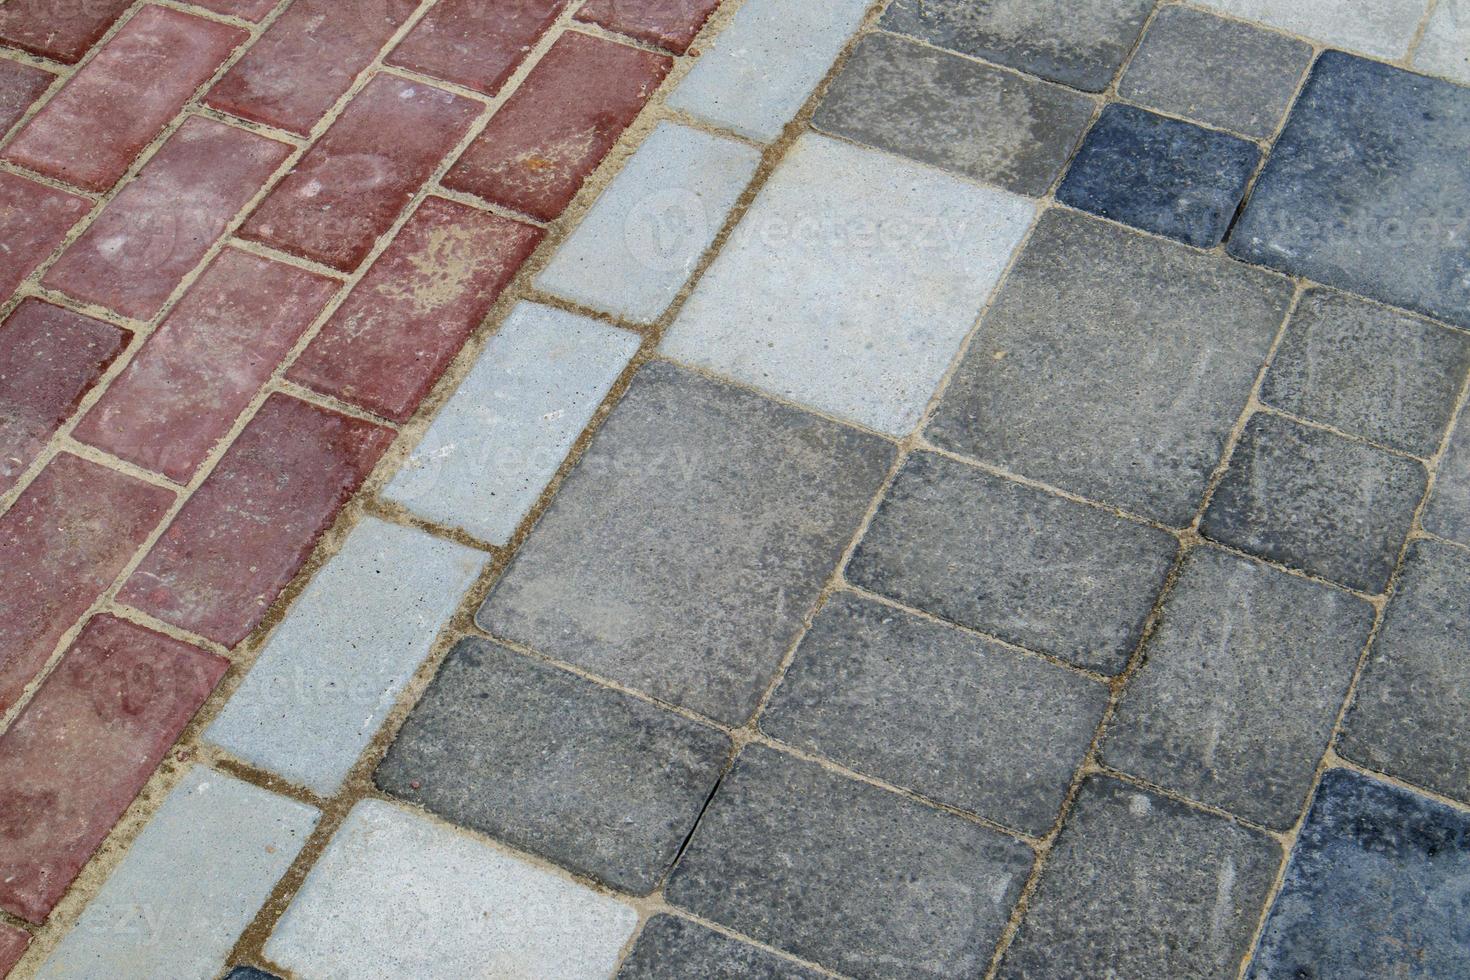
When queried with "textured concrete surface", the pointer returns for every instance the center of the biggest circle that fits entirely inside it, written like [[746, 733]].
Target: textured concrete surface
[[673, 948], [1384, 28], [1448, 511]]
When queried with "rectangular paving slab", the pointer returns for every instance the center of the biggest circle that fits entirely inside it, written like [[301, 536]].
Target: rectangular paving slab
[[34, 218], [1445, 47], [1384, 27], [1448, 511], [673, 948]]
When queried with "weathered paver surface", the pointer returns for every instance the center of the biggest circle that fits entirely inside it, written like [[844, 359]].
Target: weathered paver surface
[[734, 488]]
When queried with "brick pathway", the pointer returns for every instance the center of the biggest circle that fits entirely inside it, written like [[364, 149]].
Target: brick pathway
[[670, 488]]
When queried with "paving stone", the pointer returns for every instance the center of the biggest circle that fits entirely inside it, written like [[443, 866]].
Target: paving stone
[[246, 9], [1219, 72], [845, 874], [1365, 189], [681, 555], [49, 359], [189, 885], [1163, 175], [136, 252], [65, 539], [674, 948], [1236, 700], [250, 973], [1384, 28], [396, 333], [475, 44], [501, 438], [307, 60], [559, 125], [851, 295], [636, 248], [1408, 717], [395, 894], [20, 86], [13, 943], [1316, 501], [593, 779], [670, 24], [84, 746], [1375, 888], [199, 370], [1078, 44], [1138, 885], [34, 219], [254, 521], [1445, 47], [90, 131], [955, 113], [756, 73], [352, 185], [338, 662], [1113, 365], [1448, 511], [64, 31], [937, 711]]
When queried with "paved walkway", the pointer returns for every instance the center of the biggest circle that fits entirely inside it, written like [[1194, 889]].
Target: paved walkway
[[773, 488]]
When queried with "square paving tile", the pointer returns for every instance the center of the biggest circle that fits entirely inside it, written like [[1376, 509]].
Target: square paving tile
[[1445, 48], [1383, 27], [1366, 188], [1316, 501], [1113, 365], [1028, 567], [1080, 43], [1216, 71], [673, 948], [1409, 715], [1369, 370], [683, 552], [1448, 511], [851, 282], [1243, 680], [1163, 175], [1139, 885], [1376, 888], [848, 875], [594, 779], [955, 113], [932, 709]]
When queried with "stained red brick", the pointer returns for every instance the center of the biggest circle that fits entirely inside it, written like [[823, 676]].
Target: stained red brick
[[20, 85], [671, 24], [363, 172], [156, 230], [195, 375], [246, 9], [63, 31], [473, 43], [83, 747], [252, 523], [307, 59], [557, 127], [34, 219], [13, 943], [49, 359], [388, 343], [90, 131], [64, 541]]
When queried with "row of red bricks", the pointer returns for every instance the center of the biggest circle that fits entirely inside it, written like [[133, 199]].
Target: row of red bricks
[[90, 736]]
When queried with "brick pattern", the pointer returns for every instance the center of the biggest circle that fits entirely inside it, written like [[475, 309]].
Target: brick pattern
[[475, 44], [20, 85]]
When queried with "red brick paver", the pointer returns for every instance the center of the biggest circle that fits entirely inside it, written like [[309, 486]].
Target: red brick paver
[[63, 31], [83, 748], [20, 86], [671, 24], [393, 337], [152, 234], [13, 943], [91, 131], [34, 219], [473, 43], [245, 9], [555, 130], [49, 359], [252, 523], [69, 535], [192, 378], [363, 172]]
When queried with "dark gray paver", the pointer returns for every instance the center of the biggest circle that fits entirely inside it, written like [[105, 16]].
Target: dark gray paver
[[673, 948], [1376, 888], [1411, 714], [1448, 511], [1080, 43], [937, 711], [1139, 885], [845, 874], [1242, 684], [1216, 71], [1113, 365], [1028, 567], [681, 555], [1363, 368], [594, 779], [955, 113], [1316, 501], [1367, 188], [250, 973]]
